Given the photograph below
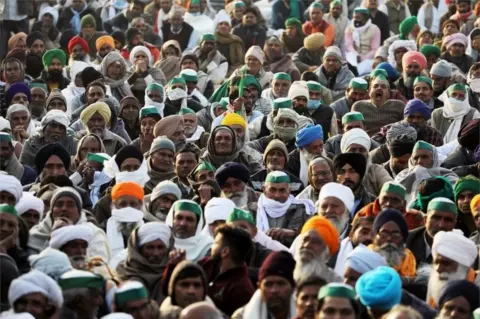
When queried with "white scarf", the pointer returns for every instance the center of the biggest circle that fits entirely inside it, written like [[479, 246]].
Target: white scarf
[[123, 215], [269, 243], [140, 176], [454, 110], [303, 168], [357, 31], [257, 308], [196, 135], [274, 209], [99, 178], [199, 96], [345, 248]]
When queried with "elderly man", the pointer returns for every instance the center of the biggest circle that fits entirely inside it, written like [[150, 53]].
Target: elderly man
[[380, 110], [10, 236], [10, 164], [73, 240], [456, 45], [441, 75], [53, 61], [417, 114], [172, 127], [338, 298], [160, 162], [277, 270], [465, 190], [413, 64], [39, 93], [129, 295], [122, 20], [239, 125], [233, 179], [10, 190], [177, 29], [431, 53], [35, 293], [309, 142], [147, 256], [280, 85], [277, 61], [211, 61], [158, 203], [264, 125], [458, 299], [53, 130], [317, 243], [333, 74], [21, 125], [318, 24], [194, 132], [185, 218], [309, 57], [456, 111], [30, 209], [356, 90], [359, 261], [453, 257]]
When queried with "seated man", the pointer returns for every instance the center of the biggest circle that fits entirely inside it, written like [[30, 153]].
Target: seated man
[[417, 114], [10, 163], [335, 203], [400, 149], [194, 132], [423, 90], [30, 209], [186, 159], [357, 90], [318, 25], [466, 188], [129, 295], [309, 57], [233, 179], [279, 87], [359, 261], [158, 203], [320, 172], [413, 64], [73, 240], [160, 162], [210, 59], [21, 124]]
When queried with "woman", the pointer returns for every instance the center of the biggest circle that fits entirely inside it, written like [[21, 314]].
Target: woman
[[169, 62], [293, 35], [473, 49], [114, 71], [229, 45], [47, 21], [129, 112]]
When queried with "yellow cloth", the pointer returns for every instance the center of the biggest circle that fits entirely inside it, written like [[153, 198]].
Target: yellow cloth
[[234, 118], [100, 107], [106, 39], [408, 266], [474, 203]]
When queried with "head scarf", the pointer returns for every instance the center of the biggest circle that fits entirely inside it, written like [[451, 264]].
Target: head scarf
[[11, 184], [35, 282]]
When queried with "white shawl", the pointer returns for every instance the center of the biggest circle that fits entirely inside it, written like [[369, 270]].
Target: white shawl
[[257, 308]]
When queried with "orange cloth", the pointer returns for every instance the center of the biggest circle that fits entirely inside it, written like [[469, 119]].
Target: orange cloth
[[127, 189], [408, 267], [326, 230], [326, 28], [413, 217], [106, 39]]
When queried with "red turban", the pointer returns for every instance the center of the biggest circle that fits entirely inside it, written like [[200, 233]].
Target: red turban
[[78, 40], [325, 230], [414, 57]]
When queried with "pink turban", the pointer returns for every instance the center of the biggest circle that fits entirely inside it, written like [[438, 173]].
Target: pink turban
[[450, 40], [414, 57]]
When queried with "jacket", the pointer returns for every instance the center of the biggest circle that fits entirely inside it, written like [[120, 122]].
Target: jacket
[[337, 83], [304, 59], [183, 37], [461, 156], [417, 245], [251, 35], [66, 16]]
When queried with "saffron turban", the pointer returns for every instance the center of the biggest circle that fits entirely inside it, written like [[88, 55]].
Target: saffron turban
[[106, 39], [127, 189], [325, 230]]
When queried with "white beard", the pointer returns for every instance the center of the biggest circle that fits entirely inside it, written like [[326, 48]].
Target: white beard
[[307, 268], [308, 157], [392, 254], [340, 223], [437, 281], [239, 198]]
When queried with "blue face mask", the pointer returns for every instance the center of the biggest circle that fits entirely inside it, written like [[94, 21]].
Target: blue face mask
[[313, 104]]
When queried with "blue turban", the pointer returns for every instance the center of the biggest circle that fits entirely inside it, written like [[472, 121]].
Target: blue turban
[[308, 135], [392, 73], [363, 259], [380, 288], [417, 105], [18, 87]]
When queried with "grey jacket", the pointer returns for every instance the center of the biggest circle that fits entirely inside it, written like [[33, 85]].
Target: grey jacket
[[337, 84]]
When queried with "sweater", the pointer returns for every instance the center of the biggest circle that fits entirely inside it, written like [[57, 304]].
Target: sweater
[[323, 27], [183, 37], [391, 112]]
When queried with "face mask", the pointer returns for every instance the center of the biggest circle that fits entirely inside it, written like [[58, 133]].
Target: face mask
[[357, 24], [455, 104], [129, 214], [176, 94], [285, 133], [313, 104], [475, 85]]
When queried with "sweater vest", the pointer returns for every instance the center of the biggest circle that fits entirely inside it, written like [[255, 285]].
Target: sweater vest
[[183, 37]]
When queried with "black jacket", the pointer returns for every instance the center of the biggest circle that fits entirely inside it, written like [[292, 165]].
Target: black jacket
[[66, 15], [417, 245], [257, 181], [64, 82]]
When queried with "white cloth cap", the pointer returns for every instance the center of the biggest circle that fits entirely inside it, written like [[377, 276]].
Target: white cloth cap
[[63, 235], [141, 48], [298, 88], [55, 116], [52, 262], [30, 202], [35, 282], [339, 191], [152, 231], [455, 246], [363, 259], [218, 209], [355, 136], [16, 108], [222, 16], [11, 184]]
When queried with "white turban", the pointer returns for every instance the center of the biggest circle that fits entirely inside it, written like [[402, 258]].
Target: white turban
[[16, 108], [11, 184], [363, 259], [63, 235], [141, 48], [218, 209], [4, 123], [57, 116], [153, 231], [30, 202], [35, 282], [51, 261], [455, 246], [355, 136], [338, 191], [222, 16]]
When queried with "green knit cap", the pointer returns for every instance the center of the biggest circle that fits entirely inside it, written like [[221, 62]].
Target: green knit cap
[[468, 183], [423, 79], [282, 76], [282, 103], [442, 204], [209, 37], [54, 54], [456, 87], [177, 80], [149, 111], [358, 83], [240, 215], [188, 205], [337, 290], [293, 22], [392, 187], [8, 209], [43, 86], [204, 166], [130, 291], [422, 145], [186, 110], [314, 86], [80, 279], [277, 177], [88, 20], [97, 157], [430, 49], [5, 137], [406, 26], [352, 117]]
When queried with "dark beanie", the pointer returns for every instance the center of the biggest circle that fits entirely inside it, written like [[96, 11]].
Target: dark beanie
[[119, 36], [128, 151], [89, 74], [469, 134], [34, 36], [47, 151], [356, 160], [401, 146], [234, 170], [189, 56], [279, 263], [131, 33], [391, 215], [460, 288]]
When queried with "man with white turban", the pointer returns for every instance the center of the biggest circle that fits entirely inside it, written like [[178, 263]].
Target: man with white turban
[[335, 203], [359, 261], [10, 190], [38, 288], [73, 240], [30, 209]]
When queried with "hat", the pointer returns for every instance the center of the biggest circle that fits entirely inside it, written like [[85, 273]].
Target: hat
[[339, 191], [89, 75], [352, 117], [282, 76], [442, 69], [80, 279], [204, 166], [455, 246], [56, 116], [423, 79], [218, 209], [460, 288], [209, 37], [406, 26], [293, 22], [282, 102], [338, 290], [392, 73], [400, 145], [164, 188], [333, 51], [77, 40], [456, 38], [189, 75], [314, 86], [414, 57], [326, 230], [430, 49], [380, 288], [48, 151], [8, 209], [88, 20], [240, 215], [127, 189], [393, 187], [279, 263], [56, 94], [256, 52], [98, 107], [151, 231], [356, 160], [30, 202], [106, 39], [188, 205], [51, 261], [308, 135], [355, 136], [363, 259], [161, 143], [129, 291], [475, 203], [69, 192], [233, 170], [34, 36], [442, 204], [278, 145], [149, 111], [277, 177], [11, 185], [314, 42], [417, 106], [358, 83], [468, 183], [391, 215], [61, 236]]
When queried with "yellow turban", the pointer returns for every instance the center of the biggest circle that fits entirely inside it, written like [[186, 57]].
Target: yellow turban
[[100, 107], [474, 203], [233, 118], [106, 39]]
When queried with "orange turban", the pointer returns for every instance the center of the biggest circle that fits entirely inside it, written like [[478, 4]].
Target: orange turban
[[127, 189], [325, 230], [13, 41], [475, 203], [106, 39]]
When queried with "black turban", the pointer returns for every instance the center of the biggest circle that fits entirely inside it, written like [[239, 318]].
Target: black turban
[[128, 151], [47, 151], [460, 288], [89, 75], [234, 170], [34, 36], [356, 160]]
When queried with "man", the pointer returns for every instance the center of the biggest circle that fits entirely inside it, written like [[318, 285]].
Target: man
[[309, 57], [104, 45], [53, 61], [160, 162], [211, 60], [453, 256], [177, 29], [53, 130], [337, 298], [391, 230], [306, 297], [239, 125], [441, 74], [13, 71], [12, 229], [35, 293], [217, 211], [396, 12], [95, 118], [264, 125], [335, 203], [359, 261], [233, 179], [277, 61], [380, 110], [441, 216], [275, 157], [333, 74], [39, 93], [131, 297], [70, 17], [458, 298], [429, 15], [251, 30], [10, 164], [362, 39], [466, 188], [204, 84], [456, 54], [356, 90], [339, 20], [465, 16], [127, 201], [158, 203], [462, 159], [186, 159], [78, 50], [73, 240], [147, 256], [191, 80], [275, 294], [148, 34], [378, 18], [281, 11], [423, 90], [318, 24], [316, 245], [18, 93], [400, 149], [10, 190], [417, 114], [122, 20], [172, 127], [30, 209], [185, 218], [413, 64], [280, 86]]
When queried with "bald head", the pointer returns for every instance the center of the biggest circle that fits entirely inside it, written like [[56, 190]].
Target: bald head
[[200, 310]]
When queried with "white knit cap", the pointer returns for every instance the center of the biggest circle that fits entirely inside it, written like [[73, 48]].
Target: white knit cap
[[164, 188], [222, 16], [153, 231], [333, 51], [16, 108], [218, 209], [35, 282], [11, 184], [355, 136], [298, 88], [338, 191], [30, 202], [141, 48], [65, 234], [57, 116], [256, 52], [455, 246]]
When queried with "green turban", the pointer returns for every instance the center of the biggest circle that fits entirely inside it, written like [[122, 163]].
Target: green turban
[[406, 27], [468, 183], [54, 54]]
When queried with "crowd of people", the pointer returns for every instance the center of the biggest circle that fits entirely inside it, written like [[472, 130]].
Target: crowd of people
[[282, 159]]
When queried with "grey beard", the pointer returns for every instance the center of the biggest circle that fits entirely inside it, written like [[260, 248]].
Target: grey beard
[[190, 130], [408, 81], [239, 198], [126, 228], [307, 268], [161, 215], [78, 262], [340, 223], [392, 253]]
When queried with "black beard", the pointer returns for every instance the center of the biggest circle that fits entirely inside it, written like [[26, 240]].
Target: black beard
[[54, 75]]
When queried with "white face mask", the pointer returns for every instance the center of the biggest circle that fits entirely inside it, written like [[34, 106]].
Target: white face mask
[[176, 94], [127, 214], [475, 85], [455, 104]]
